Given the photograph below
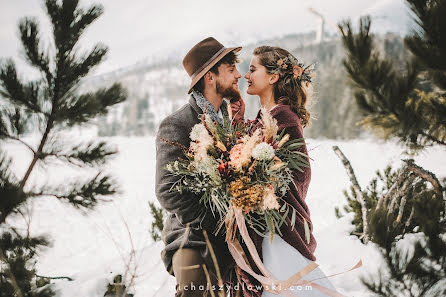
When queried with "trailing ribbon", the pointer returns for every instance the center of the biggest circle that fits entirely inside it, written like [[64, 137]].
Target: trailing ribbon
[[269, 282]]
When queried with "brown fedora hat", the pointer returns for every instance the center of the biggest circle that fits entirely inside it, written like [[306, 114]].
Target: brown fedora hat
[[203, 56]]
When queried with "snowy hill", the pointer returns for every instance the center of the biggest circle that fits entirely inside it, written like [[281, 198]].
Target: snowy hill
[[390, 16], [114, 239]]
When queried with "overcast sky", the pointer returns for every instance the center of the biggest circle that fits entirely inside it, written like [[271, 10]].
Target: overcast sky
[[136, 29]]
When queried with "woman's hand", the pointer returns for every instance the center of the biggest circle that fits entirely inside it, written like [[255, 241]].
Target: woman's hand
[[238, 110]]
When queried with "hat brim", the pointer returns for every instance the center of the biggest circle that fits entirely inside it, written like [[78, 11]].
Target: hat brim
[[208, 67]]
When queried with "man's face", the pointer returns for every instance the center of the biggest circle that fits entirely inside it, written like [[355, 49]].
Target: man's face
[[226, 82]]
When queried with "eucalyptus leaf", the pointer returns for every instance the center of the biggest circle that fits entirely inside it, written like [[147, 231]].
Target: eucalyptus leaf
[[293, 218], [282, 209], [307, 231]]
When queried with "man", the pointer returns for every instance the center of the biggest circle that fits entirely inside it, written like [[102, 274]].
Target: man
[[187, 256]]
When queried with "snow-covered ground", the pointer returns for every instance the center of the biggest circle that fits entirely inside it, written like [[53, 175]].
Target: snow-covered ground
[[93, 247]]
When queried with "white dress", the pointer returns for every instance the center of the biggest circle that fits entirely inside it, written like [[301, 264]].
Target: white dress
[[283, 260]]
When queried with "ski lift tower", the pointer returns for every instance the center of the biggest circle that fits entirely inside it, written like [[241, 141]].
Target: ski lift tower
[[321, 25]]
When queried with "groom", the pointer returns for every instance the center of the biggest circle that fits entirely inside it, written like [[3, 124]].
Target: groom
[[212, 68]]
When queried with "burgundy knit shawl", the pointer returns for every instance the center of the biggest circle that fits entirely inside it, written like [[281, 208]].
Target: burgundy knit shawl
[[288, 120]]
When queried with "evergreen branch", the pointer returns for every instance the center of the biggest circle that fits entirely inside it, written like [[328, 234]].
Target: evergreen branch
[[12, 89], [402, 192], [38, 153], [357, 187], [22, 142], [426, 175], [361, 46], [29, 34], [92, 153], [432, 138], [4, 131], [11, 196], [71, 22], [87, 106], [84, 194], [17, 290], [391, 192], [425, 42], [79, 67], [409, 220], [55, 277]]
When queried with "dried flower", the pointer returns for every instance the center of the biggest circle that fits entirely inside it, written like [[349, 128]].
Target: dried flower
[[283, 140], [277, 165], [250, 144], [210, 124], [269, 199], [290, 67], [221, 146], [197, 132], [263, 152], [297, 71], [234, 155], [209, 166], [269, 124], [246, 197], [223, 168]]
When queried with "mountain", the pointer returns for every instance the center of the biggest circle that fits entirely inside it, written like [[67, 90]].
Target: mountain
[[390, 16], [158, 86]]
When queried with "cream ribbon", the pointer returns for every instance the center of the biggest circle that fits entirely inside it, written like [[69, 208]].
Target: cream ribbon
[[269, 282]]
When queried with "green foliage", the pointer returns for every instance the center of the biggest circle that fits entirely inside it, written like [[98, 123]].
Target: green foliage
[[117, 288], [401, 102], [377, 188], [416, 271], [159, 216], [406, 209], [427, 42], [48, 105], [19, 275], [423, 216]]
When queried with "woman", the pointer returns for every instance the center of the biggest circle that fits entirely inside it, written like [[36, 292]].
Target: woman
[[281, 83]]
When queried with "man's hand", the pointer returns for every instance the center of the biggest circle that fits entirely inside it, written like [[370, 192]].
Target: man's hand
[[238, 110]]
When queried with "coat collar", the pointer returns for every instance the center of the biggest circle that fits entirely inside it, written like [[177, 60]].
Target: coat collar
[[204, 104], [194, 105]]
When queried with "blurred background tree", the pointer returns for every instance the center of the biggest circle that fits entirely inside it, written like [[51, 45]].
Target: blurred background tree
[[406, 102], [53, 103]]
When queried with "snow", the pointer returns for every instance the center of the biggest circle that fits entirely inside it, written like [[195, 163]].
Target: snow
[[92, 247]]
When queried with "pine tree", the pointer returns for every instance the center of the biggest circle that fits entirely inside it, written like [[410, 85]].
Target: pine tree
[[159, 215], [52, 103], [408, 103]]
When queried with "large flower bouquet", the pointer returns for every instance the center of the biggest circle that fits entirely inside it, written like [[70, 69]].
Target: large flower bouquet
[[234, 167], [242, 175]]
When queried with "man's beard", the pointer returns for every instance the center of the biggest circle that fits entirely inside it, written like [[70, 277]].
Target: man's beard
[[229, 93]]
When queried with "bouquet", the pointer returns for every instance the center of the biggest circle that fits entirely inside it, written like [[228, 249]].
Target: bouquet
[[242, 175], [235, 167]]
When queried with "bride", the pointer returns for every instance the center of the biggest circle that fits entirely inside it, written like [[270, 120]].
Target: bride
[[281, 83]]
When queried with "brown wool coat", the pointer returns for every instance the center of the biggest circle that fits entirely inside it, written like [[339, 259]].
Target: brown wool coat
[[184, 209], [288, 120]]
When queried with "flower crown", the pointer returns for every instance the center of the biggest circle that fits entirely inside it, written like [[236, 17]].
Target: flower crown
[[290, 68]]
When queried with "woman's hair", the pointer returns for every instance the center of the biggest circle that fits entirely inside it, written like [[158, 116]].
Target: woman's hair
[[288, 89]]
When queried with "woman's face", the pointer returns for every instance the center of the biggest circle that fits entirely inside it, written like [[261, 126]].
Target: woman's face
[[259, 81]]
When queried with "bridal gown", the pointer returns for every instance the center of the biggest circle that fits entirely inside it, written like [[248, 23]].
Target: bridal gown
[[283, 260]]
